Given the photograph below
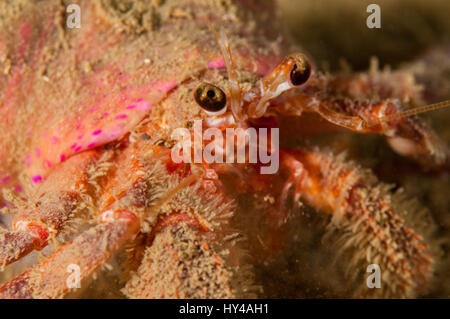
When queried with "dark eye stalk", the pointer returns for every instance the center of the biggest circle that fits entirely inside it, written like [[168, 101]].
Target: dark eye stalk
[[210, 97], [301, 69]]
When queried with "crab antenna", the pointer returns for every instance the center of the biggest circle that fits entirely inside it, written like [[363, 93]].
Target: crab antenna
[[235, 90], [416, 110]]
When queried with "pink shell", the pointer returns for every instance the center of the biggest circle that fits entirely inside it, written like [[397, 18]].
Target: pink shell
[[93, 129]]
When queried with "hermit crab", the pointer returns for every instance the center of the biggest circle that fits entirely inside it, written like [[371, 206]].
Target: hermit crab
[[94, 175]]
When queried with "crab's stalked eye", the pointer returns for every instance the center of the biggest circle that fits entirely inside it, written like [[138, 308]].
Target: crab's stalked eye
[[301, 69], [210, 98]]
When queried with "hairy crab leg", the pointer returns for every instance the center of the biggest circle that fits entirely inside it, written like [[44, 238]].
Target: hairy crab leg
[[356, 203], [185, 224], [117, 227], [182, 240], [56, 202], [88, 251], [177, 262], [408, 136], [94, 247]]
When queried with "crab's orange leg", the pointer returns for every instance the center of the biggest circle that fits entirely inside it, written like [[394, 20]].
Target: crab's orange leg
[[355, 203], [408, 136], [179, 256], [53, 205], [179, 249], [91, 248], [88, 251], [119, 226]]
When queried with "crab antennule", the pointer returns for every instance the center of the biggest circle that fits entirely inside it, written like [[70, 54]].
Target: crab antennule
[[235, 90], [414, 111]]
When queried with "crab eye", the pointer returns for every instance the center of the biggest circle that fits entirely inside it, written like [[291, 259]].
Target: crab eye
[[301, 70], [210, 98]]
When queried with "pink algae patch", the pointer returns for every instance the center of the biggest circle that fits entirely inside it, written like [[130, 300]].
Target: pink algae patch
[[144, 106], [97, 132], [93, 109], [5, 179], [47, 164], [105, 122], [36, 178], [25, 30], [166, 86], [265, 65], [216, 63], [27, 160]]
